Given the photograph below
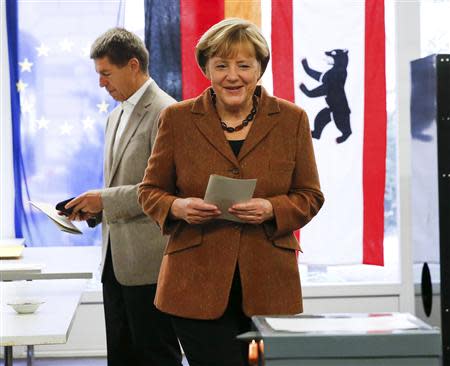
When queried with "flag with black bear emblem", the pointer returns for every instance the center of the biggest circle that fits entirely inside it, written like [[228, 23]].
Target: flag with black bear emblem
[[329, 58]]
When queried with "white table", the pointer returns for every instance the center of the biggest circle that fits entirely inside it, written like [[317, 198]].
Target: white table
[[56, 286], [56, 263], [50, 324]]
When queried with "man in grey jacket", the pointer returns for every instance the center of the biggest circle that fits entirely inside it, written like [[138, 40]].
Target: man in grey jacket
[[137, 333]]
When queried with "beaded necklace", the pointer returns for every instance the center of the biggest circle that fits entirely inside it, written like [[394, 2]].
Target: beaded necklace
[[244, 123]]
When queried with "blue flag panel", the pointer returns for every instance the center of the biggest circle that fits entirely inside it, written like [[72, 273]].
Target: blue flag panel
[[59, 123], [162, 37]]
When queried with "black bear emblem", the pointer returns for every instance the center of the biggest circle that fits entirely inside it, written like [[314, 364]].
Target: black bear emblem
[[332, 87]]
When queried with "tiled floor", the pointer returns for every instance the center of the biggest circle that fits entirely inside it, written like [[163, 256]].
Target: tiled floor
[[98, 361]]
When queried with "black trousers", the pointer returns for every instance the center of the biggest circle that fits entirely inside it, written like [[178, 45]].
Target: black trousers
[[213, 342], [136, 332]]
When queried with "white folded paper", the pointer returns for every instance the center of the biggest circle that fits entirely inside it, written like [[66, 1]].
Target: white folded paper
[[62, 222], [11, 248], [224, 192]]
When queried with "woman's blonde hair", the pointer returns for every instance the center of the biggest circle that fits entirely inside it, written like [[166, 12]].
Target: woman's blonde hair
[[221, 40]]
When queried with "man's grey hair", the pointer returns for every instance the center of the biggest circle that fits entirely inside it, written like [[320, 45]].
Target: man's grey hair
[[120, 46]]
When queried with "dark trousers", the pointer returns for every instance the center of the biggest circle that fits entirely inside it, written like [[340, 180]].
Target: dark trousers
[[213, 342], [137, 333]]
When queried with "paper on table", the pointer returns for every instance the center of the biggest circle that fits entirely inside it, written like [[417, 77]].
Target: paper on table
[[11, 248], [63, 223], [349, 324], [225, 192], [11, 252]]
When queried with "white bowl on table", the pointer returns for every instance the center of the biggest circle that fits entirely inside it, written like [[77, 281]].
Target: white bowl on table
[[25, 306]]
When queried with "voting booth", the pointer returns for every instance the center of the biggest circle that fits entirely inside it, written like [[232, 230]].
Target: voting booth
[[430, 188], [394, 339]]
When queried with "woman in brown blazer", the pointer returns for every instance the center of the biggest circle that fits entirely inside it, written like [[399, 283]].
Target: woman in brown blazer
[[215, 274]]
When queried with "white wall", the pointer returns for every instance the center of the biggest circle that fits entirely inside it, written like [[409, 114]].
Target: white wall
[[6, 166]]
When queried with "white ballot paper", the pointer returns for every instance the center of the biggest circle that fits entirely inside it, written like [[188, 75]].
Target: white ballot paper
[[355, 323], [224, 192], [63, 223], [11, 248]]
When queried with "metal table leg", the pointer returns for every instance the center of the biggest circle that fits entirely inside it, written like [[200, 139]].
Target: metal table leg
[[8, 354], [30, 355]]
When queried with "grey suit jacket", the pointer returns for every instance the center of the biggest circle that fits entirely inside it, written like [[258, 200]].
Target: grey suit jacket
[[136, 242]]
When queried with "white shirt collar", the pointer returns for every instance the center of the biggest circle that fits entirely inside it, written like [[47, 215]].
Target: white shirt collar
[[134, 99]]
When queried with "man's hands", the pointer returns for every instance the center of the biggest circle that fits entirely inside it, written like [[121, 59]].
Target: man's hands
[[254, 211], [85, 206], [193, 210]]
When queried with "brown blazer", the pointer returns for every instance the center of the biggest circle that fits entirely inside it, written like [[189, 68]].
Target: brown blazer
[[200, 260]]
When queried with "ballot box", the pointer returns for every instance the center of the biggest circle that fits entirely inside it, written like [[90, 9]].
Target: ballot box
[[430, 188], [387, 339]]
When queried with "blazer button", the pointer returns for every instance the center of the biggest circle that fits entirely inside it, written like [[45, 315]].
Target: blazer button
[[235, 171]]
